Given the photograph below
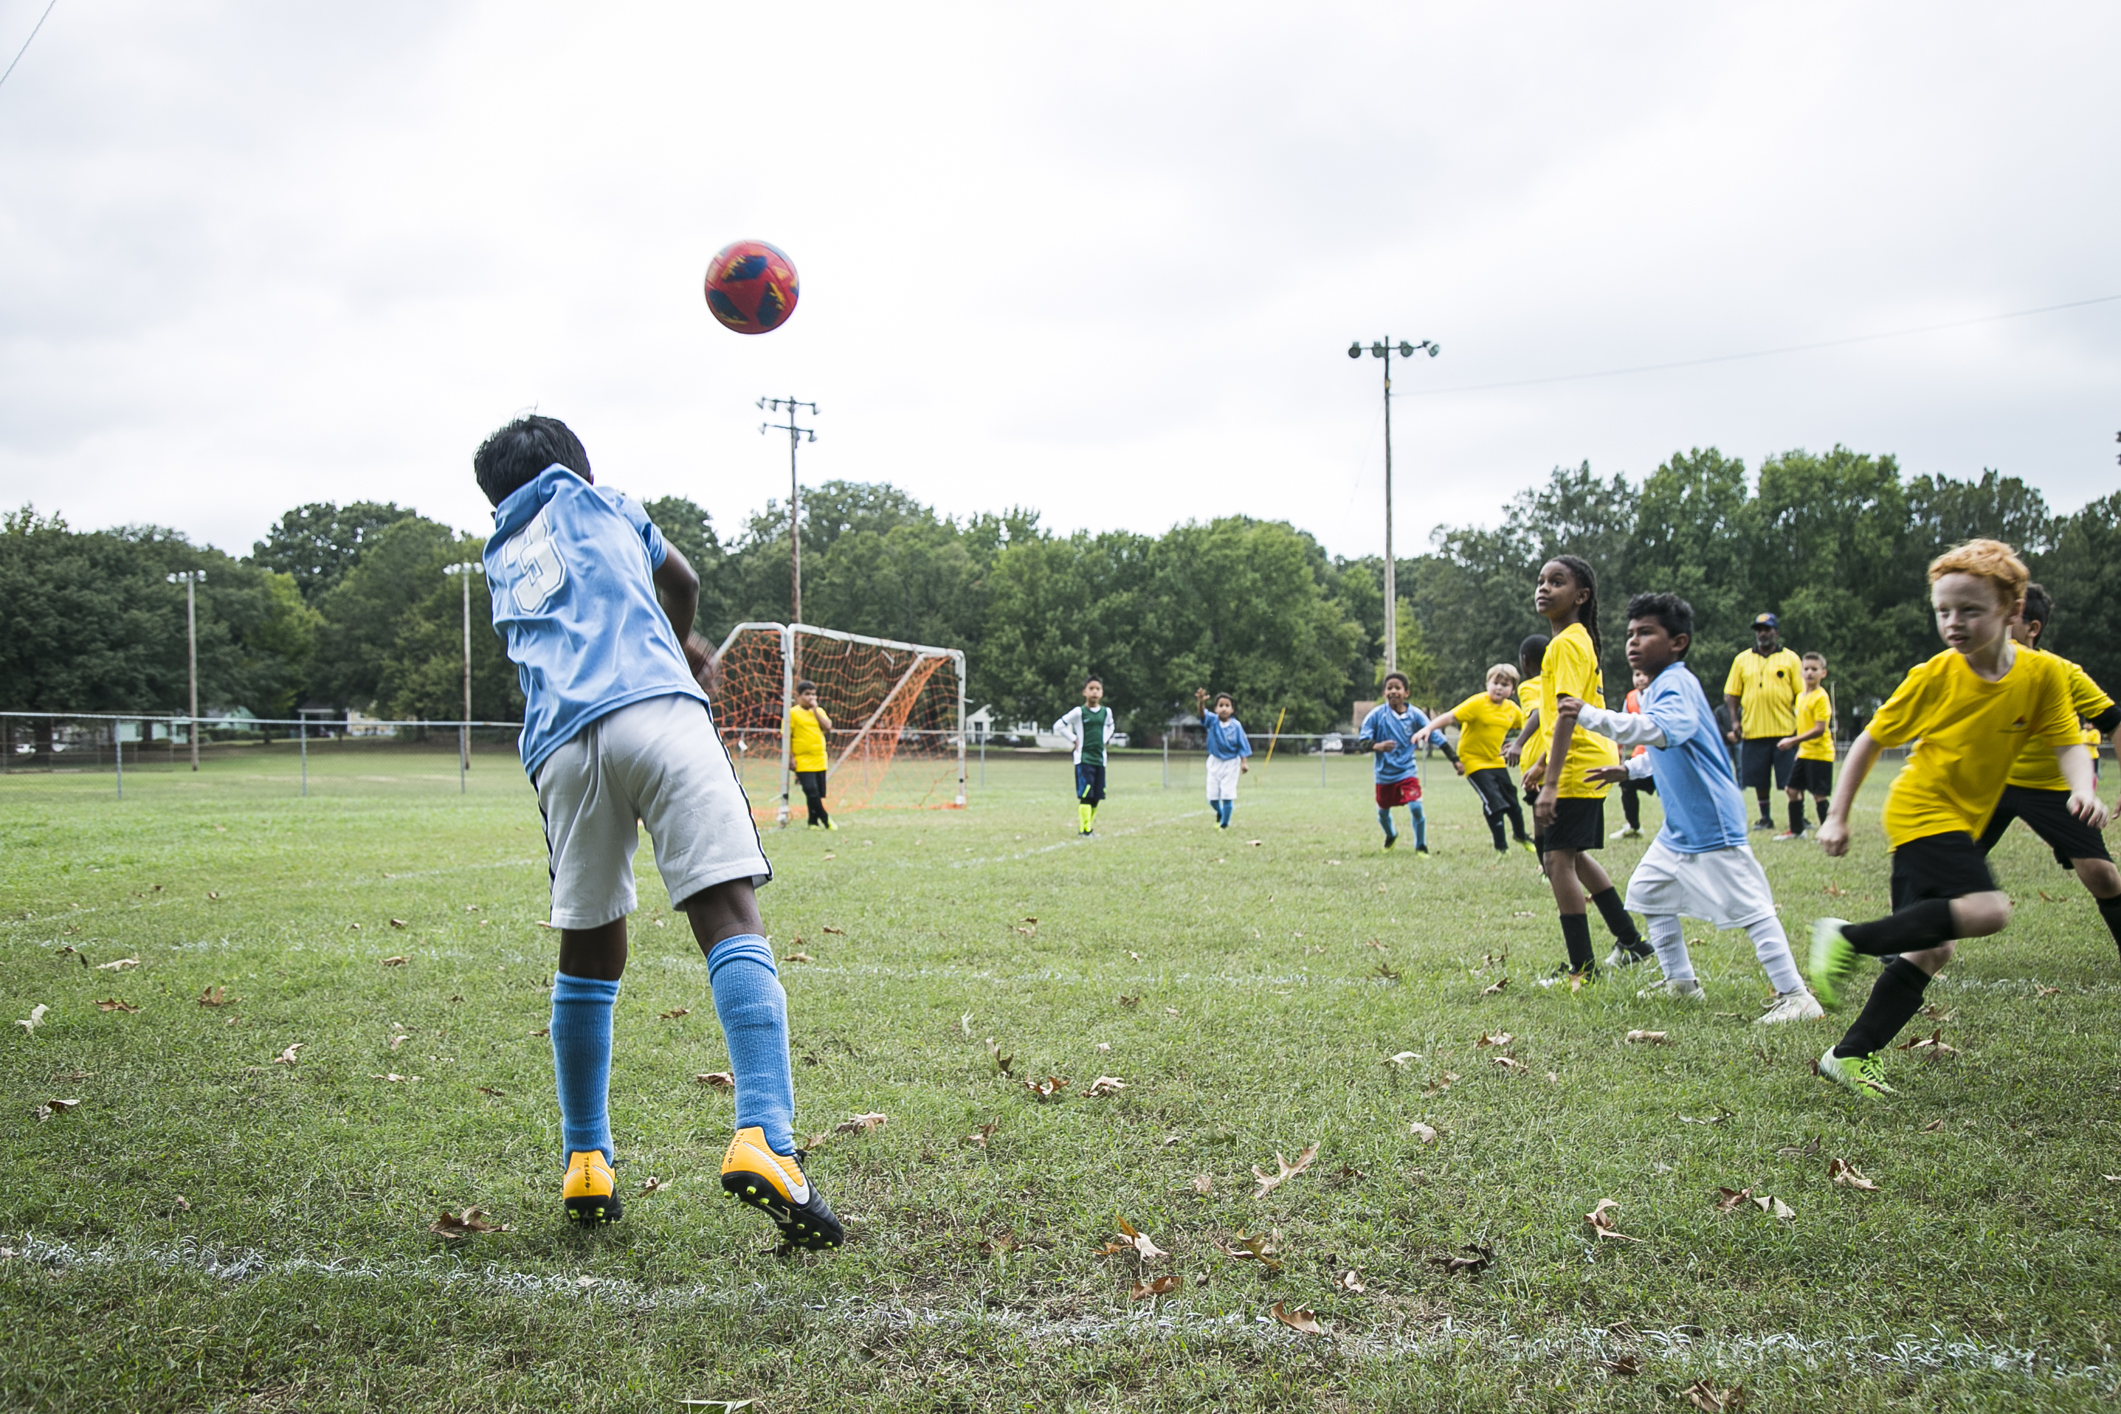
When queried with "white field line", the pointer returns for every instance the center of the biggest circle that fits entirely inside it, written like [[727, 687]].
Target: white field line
[[1077, 843], [1934, 1352]]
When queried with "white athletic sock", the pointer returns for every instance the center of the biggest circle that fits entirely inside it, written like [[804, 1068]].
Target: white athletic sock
[[1670, 941], [1772, 946]]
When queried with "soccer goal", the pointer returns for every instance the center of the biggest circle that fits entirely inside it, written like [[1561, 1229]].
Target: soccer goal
[[897, 709]]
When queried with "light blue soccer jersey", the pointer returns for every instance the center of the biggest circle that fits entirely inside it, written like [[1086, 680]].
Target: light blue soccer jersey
[[1383, 724], [1703, 809], [572, 569], [1227, 741]]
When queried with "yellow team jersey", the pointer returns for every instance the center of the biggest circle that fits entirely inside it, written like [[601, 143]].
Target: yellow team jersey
[[1482, 724], [1528, 697], [1815, 709], [2036, 767], [1570, 669], [1766, 686], [1972, 732], [806, 740]]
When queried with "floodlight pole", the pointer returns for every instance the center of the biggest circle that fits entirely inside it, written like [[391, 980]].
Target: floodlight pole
[[464, 572], [1383, 349], [795, 545], [191, 580]]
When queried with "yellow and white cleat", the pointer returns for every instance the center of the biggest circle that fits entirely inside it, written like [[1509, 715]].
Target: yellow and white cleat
[[752, 1173], [591, 1192]]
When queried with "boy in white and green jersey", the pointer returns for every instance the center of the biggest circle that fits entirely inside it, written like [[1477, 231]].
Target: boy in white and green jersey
[[1088, 728]]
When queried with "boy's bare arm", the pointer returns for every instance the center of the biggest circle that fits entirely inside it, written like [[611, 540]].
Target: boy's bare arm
[[2076, 763], [1834, 833], [1514, 752], [677, 589]]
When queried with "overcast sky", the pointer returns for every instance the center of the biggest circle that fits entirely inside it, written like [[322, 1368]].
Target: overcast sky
[[1104, 261]]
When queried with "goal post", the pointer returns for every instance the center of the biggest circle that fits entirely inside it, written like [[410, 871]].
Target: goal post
[[897, 710]]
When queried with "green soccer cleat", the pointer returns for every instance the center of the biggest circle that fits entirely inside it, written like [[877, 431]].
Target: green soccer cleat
[[777, 1186], [1528, 847], [1833, 959], [1857, 1073]]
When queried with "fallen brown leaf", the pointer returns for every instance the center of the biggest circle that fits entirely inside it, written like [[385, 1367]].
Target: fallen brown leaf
[[1931, 1046], [1703, 1395], [1507, 1063], [799, 957], [1001, 1062], [981, 1135], [397, 1040], [397, 1079], [1260, 1249], [1624, 1365], [1422, 1132], [113, 1004], [452, 1226], [1800, 1151], [719, 1079], [1933, 1126], [1255, 843], [1104, 1085], [1048, 1089], [1846, 1174], [214, 996], [1298, 1319], [655, 1185], [1937, 1013], [183, 1203], [1601, 1220], [1732, 1197], [287, 1057], [540, 1033], [1402, 1058], [1130, 1001], [2039, 991], [118, 966], [999, 1244], [860, 1124], [1145, 1249], [399, 923], [1284, 1170], [489, 1090], [1648, 1038], [1500, 1038], [1203, 1185], [1441, 1083], [1471, 1259], [836, 932], [397, 961], [49, 1108], [674, 1013], [1494, 987], [1348, 1281], [1386, 971], [35, 1018], [1161, 1286]]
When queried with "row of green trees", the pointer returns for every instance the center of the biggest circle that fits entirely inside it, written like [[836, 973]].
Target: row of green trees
[[348, 605]]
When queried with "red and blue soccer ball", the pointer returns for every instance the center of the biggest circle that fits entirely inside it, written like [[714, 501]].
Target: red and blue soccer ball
[[751, 287]]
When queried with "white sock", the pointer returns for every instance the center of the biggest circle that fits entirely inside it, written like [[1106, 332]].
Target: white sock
[[1670, 941], [1772, 946]]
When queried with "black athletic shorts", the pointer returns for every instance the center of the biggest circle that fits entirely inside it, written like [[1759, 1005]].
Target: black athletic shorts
[[2047, 812], [811, 783], [1492, 783], [1579, 823], [1089, 782], [1761, 765], [1946, 866], [1812, 778]]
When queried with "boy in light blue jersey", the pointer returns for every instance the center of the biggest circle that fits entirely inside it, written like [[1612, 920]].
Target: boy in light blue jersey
[[1700, 864], [1228, 746], [1388, 733], [597, 611]]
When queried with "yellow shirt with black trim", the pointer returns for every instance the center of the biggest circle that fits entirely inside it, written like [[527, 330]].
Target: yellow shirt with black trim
[[1815, 709], [1972, 733], [1766, 686], [1529, 698], [2036, 767], [1482, 724], [1570, 669], [806, 740]]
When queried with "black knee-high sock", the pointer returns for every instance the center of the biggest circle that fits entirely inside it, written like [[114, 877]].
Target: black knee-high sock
[[1576, 933], [1896, 997], [1617, 920], [1918, 926], [1797, 816], [1630, 808], [1819, 805], [1765, 812], [2110, 910]]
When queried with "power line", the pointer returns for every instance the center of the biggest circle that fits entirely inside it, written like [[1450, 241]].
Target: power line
[[1761, 353], [32, 35]]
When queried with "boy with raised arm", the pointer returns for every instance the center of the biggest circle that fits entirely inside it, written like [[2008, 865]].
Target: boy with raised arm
[[1699, 866], [807, 725], [1483, 720], [596, 609], [1088, 729], [1228, 746], [1388, 734], [1977, 708]]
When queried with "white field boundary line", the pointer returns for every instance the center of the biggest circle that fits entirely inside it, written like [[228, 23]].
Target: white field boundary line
[[1077, 843], [1935, 1352]]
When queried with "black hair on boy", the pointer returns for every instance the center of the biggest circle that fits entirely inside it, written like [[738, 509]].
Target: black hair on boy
[[2039, 609], [1533, 651], [1402, 680], [806, 685], [1670, 612], [512, 457]]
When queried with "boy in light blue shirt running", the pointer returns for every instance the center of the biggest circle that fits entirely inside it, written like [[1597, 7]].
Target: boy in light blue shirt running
[[1388, 733]]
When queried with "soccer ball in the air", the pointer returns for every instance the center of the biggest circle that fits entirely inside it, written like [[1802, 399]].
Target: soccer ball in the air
[[751, 287]]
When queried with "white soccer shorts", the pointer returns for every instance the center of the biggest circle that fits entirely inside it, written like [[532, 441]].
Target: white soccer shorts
[[658, 763], [1222, 778], [1725, 887]]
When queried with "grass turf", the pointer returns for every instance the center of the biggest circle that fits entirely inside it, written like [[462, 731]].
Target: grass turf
[[211, 1230]]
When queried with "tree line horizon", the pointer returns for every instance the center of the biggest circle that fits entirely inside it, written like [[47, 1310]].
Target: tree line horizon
[[347, 607]]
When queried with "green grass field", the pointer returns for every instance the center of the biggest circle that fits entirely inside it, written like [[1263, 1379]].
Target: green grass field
[[211, 1230]]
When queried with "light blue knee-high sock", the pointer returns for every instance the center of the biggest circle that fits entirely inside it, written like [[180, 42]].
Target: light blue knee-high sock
[[1421, 824], [1224, 809], [1384, 818], [754, 1013], [581, 1061]]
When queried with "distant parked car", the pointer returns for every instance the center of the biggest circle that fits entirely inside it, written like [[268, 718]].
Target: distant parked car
[[1330, 744]]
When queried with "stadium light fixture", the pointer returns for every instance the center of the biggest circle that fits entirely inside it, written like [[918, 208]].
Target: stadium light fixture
[[464, 572], [1383, 348], [191, 580]]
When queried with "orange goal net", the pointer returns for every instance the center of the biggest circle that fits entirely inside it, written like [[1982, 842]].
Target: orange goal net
[[897, 710]]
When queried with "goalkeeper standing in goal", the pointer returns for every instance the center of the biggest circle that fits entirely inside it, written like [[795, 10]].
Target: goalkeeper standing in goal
[[1088, 728], [807, 725], [597, 613]]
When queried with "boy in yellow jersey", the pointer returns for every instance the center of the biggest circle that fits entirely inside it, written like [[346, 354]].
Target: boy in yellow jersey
[[1483, 720], [1528, 748], [2036, 792], [1761, 693], [807, 725], [1571, 805], [1976, 707], [1813, 740]]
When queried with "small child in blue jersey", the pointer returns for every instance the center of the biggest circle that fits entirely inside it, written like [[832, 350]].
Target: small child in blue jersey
[[1700, 864], [597, 610], [1388, 733], [1228, 746]]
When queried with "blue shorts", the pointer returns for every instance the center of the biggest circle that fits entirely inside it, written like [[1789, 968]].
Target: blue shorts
[[1089, 782]]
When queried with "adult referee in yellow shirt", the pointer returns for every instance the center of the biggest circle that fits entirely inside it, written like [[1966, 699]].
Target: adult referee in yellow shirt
[[1761, 693]]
